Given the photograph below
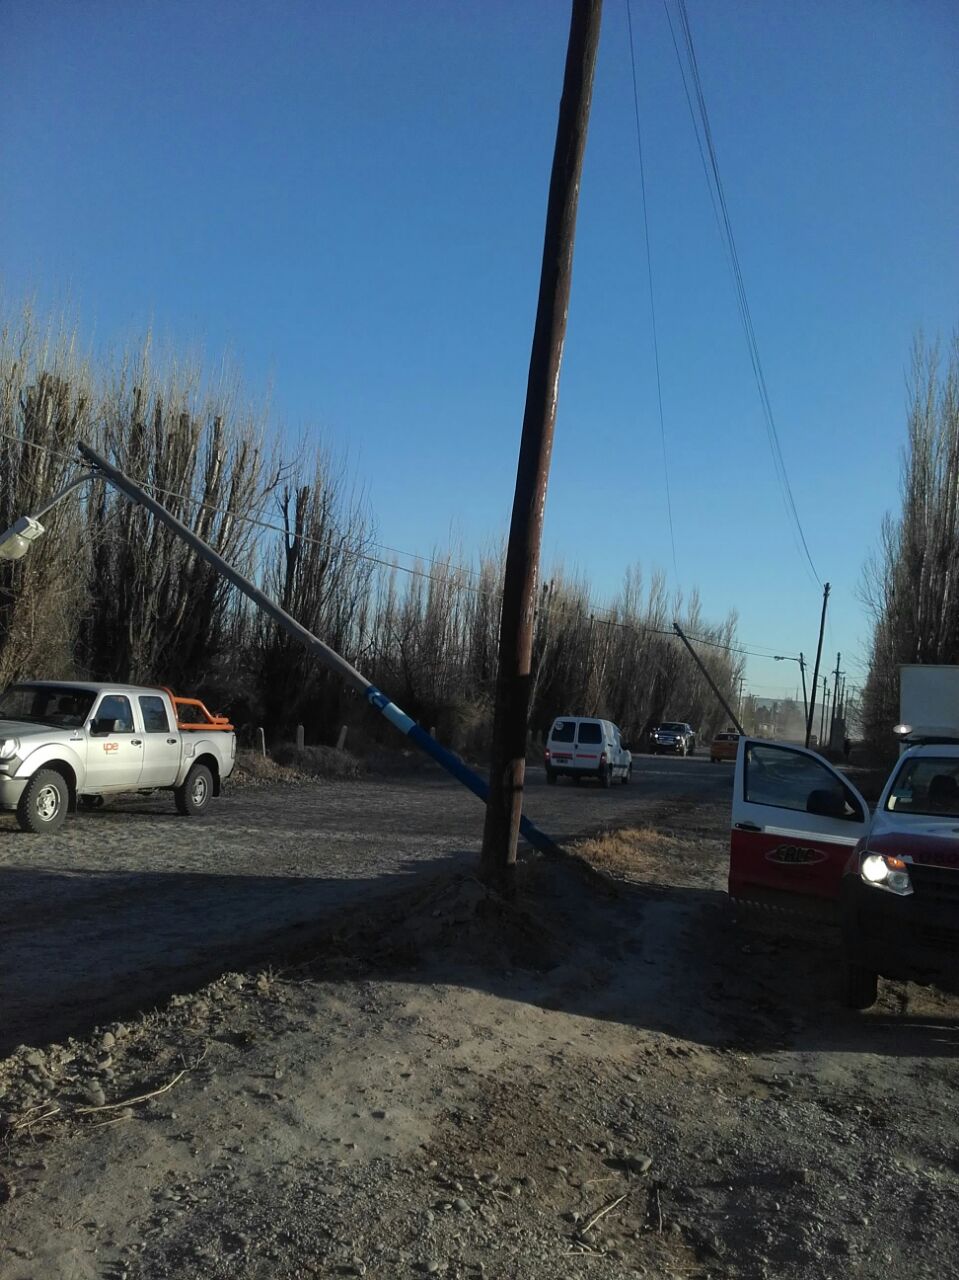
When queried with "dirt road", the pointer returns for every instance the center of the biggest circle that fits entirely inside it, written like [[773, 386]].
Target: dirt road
[[129, 903], [626, 1085]]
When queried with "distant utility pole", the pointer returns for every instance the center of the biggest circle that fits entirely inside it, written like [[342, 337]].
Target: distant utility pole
[[835, 699], [511, 713], [815, 674]]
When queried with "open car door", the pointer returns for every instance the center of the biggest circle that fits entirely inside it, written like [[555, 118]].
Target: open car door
[[795, 822]]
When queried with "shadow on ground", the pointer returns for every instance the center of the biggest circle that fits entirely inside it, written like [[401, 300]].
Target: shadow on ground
[[673, 960], [79, 947]]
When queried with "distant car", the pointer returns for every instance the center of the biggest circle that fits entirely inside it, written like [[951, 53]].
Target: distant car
[[581, 747], [672, 737], [724, 746]]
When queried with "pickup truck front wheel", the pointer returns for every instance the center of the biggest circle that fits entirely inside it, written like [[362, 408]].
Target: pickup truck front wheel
[[44, 803], [196, 792]]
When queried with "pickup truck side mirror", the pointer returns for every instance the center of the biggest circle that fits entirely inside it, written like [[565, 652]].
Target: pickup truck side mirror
[[102, 728]]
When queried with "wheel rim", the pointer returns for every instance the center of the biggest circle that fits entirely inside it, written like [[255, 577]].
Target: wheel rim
[[198, 790], [48, 803]]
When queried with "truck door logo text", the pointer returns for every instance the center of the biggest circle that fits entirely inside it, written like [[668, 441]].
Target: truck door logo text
[[111, 746], [792, 855]]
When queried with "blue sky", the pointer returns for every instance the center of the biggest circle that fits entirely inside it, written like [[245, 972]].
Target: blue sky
[[349, 199]]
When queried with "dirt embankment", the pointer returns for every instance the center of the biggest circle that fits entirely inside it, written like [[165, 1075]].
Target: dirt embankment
[[615, 1081]]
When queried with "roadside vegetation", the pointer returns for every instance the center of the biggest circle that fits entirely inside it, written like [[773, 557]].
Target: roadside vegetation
[[911, 586], [108, 594]]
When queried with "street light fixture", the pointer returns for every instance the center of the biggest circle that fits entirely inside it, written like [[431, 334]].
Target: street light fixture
[[16, 541], [788, 657]]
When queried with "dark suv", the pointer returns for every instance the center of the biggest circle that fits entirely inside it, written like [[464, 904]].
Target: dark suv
[[673, 738]]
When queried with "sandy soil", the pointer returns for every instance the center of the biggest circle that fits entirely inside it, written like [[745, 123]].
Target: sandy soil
[[617, 1078]]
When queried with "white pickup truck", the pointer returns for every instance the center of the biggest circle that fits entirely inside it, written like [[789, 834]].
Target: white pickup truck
[[69, 744]]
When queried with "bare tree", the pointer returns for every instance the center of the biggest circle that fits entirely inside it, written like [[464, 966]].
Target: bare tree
[[158, 612], [911, 586], [45, 403]]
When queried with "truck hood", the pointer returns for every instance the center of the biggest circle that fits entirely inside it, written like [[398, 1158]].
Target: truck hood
[[932, 842], [24, 730]]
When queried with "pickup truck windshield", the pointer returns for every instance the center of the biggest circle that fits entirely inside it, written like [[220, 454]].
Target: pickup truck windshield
[[46, 704], [929, 786]]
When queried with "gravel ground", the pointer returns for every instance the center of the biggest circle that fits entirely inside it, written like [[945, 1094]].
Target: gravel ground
[[620, 1080], [129, 903]]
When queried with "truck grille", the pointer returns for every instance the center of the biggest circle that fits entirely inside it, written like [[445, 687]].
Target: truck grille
[[937, 936], [938, 885]]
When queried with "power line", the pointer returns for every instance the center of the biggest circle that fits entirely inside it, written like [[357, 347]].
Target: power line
[[649, 275], [707, 149], [386, 564], [276, 528]]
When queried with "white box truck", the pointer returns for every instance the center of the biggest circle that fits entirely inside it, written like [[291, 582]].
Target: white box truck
[[928, 704]]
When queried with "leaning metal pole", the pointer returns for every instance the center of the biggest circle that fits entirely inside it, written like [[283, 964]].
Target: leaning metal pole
[[711, 682], [511, 712], [322, 652]]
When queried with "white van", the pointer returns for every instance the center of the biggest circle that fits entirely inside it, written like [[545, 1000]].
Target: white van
[[579, 746]]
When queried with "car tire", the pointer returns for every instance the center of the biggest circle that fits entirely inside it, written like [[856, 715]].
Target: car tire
[[606, 776], [44, 804], [576, 779], [193, 797], [860, 986], [551, 777]]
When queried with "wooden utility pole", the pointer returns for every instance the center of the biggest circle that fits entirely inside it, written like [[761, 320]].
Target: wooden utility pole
[[834, 710], [511, 714], [815, 674]]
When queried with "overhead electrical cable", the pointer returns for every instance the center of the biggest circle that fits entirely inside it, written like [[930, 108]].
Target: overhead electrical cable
[[652, 296], [352, 553], [708, 153]]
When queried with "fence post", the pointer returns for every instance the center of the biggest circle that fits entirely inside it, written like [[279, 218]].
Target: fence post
[[300, 738], [341, 740], [262, 741]]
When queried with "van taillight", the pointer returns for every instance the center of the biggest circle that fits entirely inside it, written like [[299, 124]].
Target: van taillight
[[602, 758], [547, 753]]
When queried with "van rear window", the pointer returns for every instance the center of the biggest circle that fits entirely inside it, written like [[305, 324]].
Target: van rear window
[[590, 733], [563, 731]]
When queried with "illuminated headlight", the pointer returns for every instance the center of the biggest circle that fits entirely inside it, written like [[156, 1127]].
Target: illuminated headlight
[[9, 748], [885, 871]]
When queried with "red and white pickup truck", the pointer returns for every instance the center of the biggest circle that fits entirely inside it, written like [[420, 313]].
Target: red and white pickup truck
[[68, 744], [804, 839]]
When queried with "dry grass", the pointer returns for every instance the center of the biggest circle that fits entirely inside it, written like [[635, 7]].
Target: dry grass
[[676, 848], [318, 762], [256, 770]]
